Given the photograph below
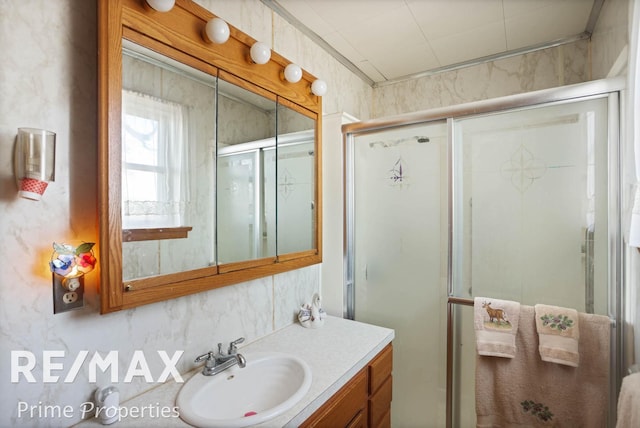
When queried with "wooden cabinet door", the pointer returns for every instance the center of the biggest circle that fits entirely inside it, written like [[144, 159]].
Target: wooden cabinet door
[[380, 388], [343, 409], [380, 405], [364, 401]]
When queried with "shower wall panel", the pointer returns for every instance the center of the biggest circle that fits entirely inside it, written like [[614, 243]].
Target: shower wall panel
[[400, 247]]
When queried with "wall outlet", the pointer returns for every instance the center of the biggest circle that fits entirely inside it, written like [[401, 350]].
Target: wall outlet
[[68, 294], [70, 297]]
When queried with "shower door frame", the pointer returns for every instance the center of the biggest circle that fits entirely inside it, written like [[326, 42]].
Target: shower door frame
[[605, 88]]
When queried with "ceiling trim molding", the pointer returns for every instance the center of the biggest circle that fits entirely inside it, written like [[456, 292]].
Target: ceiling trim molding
[[593, 16], [277, 8], [485, 59]]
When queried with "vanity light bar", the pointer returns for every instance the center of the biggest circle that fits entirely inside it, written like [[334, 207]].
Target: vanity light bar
[[217, 31]]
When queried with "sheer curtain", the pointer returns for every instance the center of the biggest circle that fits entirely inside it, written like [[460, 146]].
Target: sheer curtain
[[155, 176]]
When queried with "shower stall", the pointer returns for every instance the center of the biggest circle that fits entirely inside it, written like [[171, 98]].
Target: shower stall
[[515, 198]]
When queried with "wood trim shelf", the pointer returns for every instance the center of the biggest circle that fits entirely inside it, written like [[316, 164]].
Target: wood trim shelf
[[151, 234]]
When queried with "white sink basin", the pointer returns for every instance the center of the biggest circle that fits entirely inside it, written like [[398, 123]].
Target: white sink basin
[[269, 385]]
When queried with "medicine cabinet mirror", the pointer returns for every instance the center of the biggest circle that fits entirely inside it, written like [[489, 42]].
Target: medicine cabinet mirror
[[208, 163]]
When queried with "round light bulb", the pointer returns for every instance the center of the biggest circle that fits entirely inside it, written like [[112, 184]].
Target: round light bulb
[[319, 87], [293, 73], [161, 5], [217, 31], [260, 53]]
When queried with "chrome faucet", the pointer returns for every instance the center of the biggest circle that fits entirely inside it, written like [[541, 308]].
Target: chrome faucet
[[215, 363]]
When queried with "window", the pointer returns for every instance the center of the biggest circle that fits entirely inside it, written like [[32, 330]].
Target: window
[[155, 181]]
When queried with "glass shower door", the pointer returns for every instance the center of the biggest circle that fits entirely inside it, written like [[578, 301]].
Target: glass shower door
[[531, 218], [532, 205], [400, 267]]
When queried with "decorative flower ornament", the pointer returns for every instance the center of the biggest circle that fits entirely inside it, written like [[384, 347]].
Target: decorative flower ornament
[[71, 261]]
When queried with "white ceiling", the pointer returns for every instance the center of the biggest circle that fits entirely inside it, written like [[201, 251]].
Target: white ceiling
[[384, 40]]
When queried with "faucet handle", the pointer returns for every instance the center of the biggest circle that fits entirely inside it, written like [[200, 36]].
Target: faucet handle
[[232, 345], [203, 357]]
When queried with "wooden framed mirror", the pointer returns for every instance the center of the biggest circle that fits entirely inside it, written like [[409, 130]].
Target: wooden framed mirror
[[175, 218]]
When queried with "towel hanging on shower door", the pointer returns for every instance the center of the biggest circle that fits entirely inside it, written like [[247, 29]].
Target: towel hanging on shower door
[[558, 332], [527, 391], [496, 326]]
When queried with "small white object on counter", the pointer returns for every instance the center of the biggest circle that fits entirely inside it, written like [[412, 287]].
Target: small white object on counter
[[312, 316]]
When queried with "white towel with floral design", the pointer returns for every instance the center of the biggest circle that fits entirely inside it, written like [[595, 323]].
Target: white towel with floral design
[[558, 333]]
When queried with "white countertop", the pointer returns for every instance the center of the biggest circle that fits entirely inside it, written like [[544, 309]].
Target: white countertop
[[335, 353]]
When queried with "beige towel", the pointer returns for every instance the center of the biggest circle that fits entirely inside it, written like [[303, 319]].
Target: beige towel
[[559, 332], [526, 391], [629, 402], [496, 325]]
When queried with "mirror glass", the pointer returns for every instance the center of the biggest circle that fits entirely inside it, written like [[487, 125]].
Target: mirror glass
[[246, 179], [208, 162], [168, 165], [296, 180]]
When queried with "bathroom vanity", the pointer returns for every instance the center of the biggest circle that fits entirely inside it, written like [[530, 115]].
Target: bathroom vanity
[[350, 362], [365, 401]]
